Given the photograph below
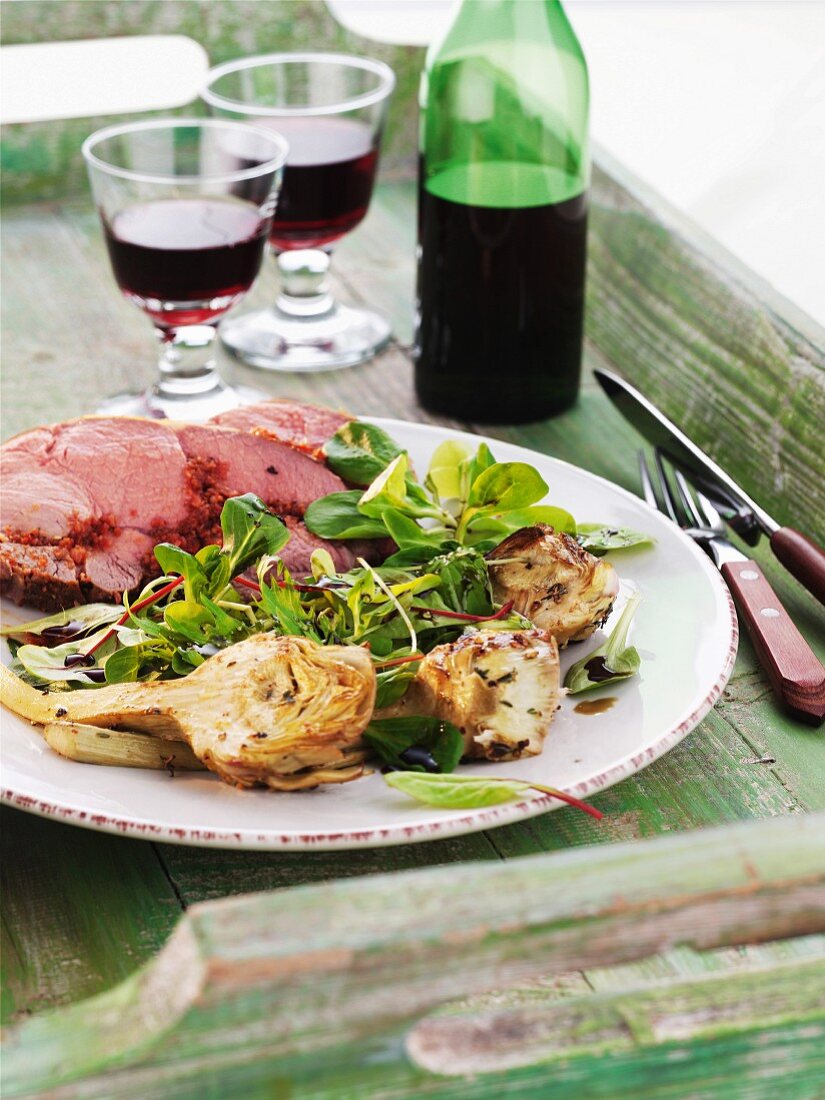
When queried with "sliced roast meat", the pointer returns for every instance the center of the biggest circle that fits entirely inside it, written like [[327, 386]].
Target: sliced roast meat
[[85, 502], [43, 576], [90, 469], [238, 462], [304, 427], [122, 565]]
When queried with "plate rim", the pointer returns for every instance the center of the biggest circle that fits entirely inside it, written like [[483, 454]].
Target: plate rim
[[472, 822]]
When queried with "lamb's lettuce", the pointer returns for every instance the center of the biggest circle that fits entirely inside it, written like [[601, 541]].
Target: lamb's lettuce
[[613, 660], [598, 538]]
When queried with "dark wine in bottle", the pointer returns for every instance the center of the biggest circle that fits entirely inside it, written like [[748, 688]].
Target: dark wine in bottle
[[502, 215]]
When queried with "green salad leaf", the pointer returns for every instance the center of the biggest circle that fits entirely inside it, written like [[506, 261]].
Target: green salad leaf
[[498, 527], [467, 498], [223, 623], [123, 667], [613, 660], [457, 792], [176, 562], [394, 490], [406, 533], [359, 452], [444, 478], [45, 664], [189, 620], [83, 619], [464, 583], [337, 516], [470, 792], [392, 683], [599, 539], [389, 738], [505, 486], [474, 467], [250, 530], [280, 600]]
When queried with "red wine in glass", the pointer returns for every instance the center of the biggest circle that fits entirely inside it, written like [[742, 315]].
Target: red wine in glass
[[327, 183], [186, 261]]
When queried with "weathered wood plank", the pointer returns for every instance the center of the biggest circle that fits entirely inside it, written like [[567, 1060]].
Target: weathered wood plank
[[201, 874], [80, 911], [744, 1065], [504, 1032], [285, 974], [728, 359]]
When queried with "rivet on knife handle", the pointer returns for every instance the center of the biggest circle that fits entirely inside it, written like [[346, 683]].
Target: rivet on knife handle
[[802, 557], [797, 676]]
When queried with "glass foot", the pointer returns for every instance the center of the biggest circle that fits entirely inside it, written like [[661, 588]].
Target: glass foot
[[271, 340], [194, 408]]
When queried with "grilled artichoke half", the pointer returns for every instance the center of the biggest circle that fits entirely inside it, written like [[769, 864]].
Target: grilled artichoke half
[[297, 722], [280, 712], [500, 688], [553, 582]]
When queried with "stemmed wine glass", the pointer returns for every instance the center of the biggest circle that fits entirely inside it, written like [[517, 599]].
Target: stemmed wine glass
[[331, 109], [186, 206]]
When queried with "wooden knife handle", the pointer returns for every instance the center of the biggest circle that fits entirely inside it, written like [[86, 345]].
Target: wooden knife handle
[[802, 557], [797, 676]]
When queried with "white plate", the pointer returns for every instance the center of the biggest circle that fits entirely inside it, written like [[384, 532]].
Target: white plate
[[685, 630]]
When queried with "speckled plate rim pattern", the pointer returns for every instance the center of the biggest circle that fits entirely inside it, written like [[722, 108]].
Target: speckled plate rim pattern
[[24, 795]]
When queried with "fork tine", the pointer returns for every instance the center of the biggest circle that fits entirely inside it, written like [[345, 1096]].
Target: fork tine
[[711, 516], [648, 492], [667, 492], [686, 498]]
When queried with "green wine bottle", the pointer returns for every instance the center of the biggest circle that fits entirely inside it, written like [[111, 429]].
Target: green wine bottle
[[502, 220]]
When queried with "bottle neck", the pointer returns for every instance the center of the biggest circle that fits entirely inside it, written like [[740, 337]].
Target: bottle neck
[[481, 20], [505, 107], [542, 23]]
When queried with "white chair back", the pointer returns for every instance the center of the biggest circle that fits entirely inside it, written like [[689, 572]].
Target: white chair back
[[99, 76]]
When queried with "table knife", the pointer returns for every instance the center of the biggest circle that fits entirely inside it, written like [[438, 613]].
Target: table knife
[[800, 555]]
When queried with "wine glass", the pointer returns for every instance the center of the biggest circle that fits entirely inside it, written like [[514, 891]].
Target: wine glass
[[186, 206], [331, 109]]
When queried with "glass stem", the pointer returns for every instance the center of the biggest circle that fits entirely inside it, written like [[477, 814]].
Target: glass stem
[[304, 290], [186, 364]]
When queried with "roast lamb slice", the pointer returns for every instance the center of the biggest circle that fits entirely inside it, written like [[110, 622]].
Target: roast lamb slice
[[304, 427], [84, 502], [235, 462], [42, 576], [106, 471]]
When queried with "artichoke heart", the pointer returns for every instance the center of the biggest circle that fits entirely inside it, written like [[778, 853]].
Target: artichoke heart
[[500, 688], [297, 721], [281, 712], [553, 582]]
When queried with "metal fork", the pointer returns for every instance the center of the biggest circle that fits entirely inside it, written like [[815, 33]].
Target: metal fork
[[796, 674], [705, 527]]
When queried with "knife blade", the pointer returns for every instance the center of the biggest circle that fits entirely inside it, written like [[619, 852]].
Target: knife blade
[[800, 555], [662, 432]]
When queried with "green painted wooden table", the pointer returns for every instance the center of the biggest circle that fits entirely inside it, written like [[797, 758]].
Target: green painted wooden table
[[744, 374]]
